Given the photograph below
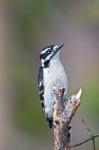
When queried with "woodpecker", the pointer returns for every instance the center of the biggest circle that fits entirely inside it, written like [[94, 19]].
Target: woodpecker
[[51, 74]]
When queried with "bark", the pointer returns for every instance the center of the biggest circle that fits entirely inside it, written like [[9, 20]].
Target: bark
[[63, 113]]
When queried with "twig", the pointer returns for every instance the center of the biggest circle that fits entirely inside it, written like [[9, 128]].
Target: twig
[[62, 116], [90, 133], [85, 141], [94, 146]]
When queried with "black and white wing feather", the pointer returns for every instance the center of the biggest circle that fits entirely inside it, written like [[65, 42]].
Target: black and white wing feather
[[41, 93], [41, 86]]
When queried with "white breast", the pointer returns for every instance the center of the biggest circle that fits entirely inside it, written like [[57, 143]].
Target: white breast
[[53, 76]]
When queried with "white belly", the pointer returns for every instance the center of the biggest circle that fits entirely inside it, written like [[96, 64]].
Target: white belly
[[54, 76]]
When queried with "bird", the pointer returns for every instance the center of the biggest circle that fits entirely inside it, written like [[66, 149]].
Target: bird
[[51, 74]]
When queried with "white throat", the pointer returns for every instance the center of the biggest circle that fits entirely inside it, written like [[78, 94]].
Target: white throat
[[55, 59]]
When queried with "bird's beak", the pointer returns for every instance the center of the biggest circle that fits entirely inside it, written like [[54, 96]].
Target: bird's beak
[[59, 47]]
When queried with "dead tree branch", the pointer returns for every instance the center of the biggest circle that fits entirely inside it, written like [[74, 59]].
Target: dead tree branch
[[90, 133], [62, 115], [85, 141]]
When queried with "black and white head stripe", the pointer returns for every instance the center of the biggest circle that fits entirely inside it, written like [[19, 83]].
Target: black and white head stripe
[[47, 53]]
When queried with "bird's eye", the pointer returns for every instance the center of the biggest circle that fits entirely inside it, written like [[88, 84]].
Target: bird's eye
[[50, 51]]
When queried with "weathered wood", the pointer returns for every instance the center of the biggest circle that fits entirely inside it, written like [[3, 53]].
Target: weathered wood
[[62, 114]]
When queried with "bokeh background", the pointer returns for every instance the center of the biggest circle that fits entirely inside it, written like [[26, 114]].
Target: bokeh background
[[26, 27]]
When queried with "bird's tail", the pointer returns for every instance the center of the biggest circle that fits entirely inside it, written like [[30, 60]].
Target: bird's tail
[[50, 122]]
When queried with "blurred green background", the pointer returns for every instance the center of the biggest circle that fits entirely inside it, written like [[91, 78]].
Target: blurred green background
[[26, 27]]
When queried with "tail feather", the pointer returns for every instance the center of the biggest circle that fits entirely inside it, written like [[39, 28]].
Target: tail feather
[[50, 122]]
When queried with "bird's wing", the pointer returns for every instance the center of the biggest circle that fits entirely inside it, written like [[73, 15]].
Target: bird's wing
[[41, 92], [41, 86]]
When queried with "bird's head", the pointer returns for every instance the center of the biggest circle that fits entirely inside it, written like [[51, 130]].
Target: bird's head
[[49, 53]]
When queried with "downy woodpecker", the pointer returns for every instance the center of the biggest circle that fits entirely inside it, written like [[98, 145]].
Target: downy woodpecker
[[51, 74]]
